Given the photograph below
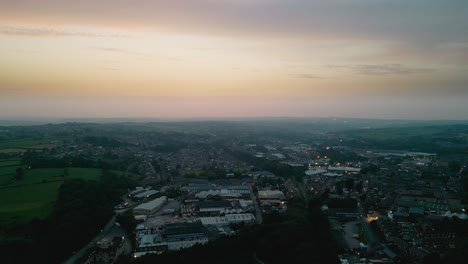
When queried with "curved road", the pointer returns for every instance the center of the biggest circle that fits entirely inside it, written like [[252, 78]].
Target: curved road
[[82, 251]]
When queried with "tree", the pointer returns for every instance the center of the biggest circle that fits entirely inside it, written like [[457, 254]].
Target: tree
[[19, 173], [349, 183], [358, 186], [127, 221]]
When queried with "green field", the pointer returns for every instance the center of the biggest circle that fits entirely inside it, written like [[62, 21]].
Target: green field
[[47, 142], [37, 176], [35, 194], [9, 162], [8, 173], [20, 205]]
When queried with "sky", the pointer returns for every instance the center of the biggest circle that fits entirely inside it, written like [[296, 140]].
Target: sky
[[392, 59]]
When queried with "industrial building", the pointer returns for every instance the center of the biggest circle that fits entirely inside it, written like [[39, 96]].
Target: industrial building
[[228, 219], [145, 194], [344, 169], [214, 206], [150, 207]]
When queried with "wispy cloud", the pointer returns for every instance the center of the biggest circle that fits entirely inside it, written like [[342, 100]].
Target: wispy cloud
[[38, 31], [116, 50], [308, 76], [383, 69], [143, 56]]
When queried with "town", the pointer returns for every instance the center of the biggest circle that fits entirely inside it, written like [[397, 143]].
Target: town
[[381, 205]]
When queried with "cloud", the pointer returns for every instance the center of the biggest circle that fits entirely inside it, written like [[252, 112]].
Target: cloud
[[39, 31], [307, 76], [116, 50], [383, 69], [143, 56]]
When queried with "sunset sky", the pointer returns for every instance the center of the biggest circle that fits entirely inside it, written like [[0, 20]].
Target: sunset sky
[[234, 58]]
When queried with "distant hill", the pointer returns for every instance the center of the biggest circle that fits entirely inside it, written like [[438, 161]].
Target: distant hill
[[445, 139]]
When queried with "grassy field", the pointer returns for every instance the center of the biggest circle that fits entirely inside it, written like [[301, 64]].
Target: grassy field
[[9, 170], [20, 205], [9, 162], [18, 144], [9, 150], [35, 194], [57, 174], [8, 173]]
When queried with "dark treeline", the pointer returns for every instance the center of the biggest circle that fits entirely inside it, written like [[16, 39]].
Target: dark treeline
[[275, 167], [103, 141], [82, 209], [301, 235], [342, 203], [35, 160], [341, 156], [435, 139]]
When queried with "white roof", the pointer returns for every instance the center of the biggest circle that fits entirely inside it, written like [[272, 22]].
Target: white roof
[[314, 172], [352, 169], [222, 192], [331, 174], [270, 193], [152, 204], [149, 193], [227, 219]]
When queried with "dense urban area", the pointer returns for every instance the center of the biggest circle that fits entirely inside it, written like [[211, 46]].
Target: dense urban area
[[258, 191]]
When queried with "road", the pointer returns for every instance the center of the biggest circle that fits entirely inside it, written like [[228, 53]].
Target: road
[[372, 240], [351, 229], [101, 235], [258, 213]]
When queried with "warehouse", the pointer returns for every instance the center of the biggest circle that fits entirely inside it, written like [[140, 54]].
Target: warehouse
[[228, 219], [150, 207], [145, 194]]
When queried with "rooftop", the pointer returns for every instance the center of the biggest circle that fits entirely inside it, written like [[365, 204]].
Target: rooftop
[[152, 204]]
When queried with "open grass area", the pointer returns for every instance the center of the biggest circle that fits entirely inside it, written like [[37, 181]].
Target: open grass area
[[8, 173], [18, 144], [10, 170], [20, 205], [35, 194], [36, 176], [10, 150], [4, 179], [9, 162]]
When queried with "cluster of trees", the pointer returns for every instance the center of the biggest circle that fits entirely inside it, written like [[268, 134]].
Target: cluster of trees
[[371, 169], [275, 167], [102, 141], [436, 139], [349, 184], [337, 155], [211, 173], [342, 203], [36, 160], [82, 209]]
